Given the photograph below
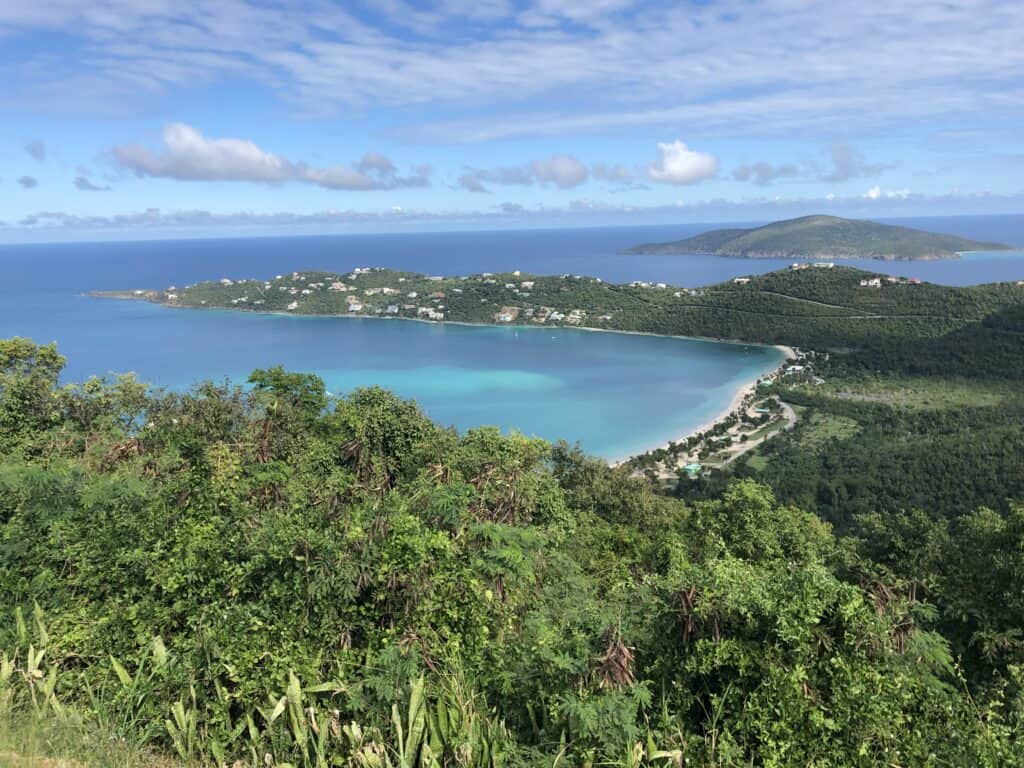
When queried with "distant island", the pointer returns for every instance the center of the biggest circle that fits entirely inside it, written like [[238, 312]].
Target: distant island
[[822, 237]]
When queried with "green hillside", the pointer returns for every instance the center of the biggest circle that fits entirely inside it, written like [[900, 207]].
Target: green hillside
[[813, 308], [270, 576], [821, 237]]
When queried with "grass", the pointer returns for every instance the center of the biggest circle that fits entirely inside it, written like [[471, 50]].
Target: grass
[[918, 393], [31, 742], [771, 427], [757, 462], [822, 427]]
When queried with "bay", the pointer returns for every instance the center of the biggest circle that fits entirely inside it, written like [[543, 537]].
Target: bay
[[616, 394]]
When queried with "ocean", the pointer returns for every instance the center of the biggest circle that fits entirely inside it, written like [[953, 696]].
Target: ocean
[[615, 394]]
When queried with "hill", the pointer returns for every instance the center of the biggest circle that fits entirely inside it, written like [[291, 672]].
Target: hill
[[271, 576], [822, 237]]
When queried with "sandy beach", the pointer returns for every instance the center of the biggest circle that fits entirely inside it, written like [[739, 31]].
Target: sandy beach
[[734, 405]]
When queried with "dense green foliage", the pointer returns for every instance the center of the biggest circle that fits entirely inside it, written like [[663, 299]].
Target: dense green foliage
[[232, 573], [822, 237], [920, 473], [946, 460]]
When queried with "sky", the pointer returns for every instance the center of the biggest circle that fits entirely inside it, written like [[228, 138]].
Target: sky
[[145, 118]]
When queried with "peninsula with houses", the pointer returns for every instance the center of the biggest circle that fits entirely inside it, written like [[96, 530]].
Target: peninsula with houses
[[822, 306], [823, 237]]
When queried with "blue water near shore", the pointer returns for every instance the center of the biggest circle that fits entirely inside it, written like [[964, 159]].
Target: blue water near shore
[[614, 393]]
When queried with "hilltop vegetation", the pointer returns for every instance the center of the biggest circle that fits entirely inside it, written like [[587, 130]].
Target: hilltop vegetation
[[274, 576], [277, 577], [823, 237]]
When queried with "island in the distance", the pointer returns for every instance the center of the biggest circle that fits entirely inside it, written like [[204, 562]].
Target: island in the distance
[[822, 237]]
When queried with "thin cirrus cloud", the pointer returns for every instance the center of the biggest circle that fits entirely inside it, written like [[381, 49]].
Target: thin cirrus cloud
[[848, 163], [562, 171], [764, 173], [188, 155], [847, 63]]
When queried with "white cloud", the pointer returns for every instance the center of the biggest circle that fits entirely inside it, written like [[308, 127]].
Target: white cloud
[[188, 155], [562, 171], [618, 174], [877, 193], [678, 164]]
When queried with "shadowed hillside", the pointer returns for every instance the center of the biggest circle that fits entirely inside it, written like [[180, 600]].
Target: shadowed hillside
[[814, 237]]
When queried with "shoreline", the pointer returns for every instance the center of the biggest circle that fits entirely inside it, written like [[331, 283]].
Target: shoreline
[[738, 397], [734, 405], [114, 295]]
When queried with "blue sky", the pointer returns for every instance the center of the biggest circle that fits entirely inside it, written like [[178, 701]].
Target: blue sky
[[161, 118]]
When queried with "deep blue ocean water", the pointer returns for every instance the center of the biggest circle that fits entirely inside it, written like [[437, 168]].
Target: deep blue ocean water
[[614, 393]]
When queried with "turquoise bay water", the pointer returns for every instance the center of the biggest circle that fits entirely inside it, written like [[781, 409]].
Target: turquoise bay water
[[616, 394]]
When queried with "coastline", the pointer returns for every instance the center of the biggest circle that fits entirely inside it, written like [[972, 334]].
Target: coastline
[[116, 296], [734, 404]]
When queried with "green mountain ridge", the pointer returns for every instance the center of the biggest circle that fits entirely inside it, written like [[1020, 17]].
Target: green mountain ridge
[[820, 237]]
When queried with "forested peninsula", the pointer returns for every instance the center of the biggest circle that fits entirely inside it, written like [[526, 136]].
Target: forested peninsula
[[824, 307], [822, 237], [272, 576]]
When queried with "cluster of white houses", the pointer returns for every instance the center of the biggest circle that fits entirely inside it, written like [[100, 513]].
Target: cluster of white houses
[[542, 315], [420, 304], [877, 282], [798, 265]]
